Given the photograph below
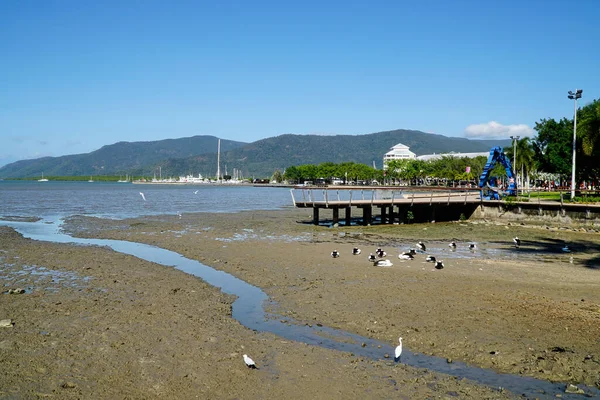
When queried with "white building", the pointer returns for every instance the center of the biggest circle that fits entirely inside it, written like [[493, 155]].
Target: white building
[[398, 152]]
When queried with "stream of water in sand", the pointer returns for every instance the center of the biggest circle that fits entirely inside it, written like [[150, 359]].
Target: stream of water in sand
[[248, 310]]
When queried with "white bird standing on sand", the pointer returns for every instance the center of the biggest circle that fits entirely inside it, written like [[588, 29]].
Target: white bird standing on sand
[[372, 257], [398, 351], [143, 197], [249, 362], [335, 254], [430, 259], [517, 241], [421, 246], [355, 251], [439, 265]]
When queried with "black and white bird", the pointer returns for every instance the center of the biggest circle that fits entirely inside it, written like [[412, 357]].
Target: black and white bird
[[383, 263], [566, 249], [421, 246], [249, 362], [355, 251], [398, 351], [335, 254], [372, 257], [430, 259], [472, 247], [452, 245], [143, 197], [406, 256], [517, 241], [439, 265], [380, 253]]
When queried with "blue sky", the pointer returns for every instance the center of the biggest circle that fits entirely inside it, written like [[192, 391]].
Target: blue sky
[[77, 75]]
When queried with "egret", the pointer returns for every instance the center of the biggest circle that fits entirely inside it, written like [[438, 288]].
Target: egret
[[143, 197], [398, 351]]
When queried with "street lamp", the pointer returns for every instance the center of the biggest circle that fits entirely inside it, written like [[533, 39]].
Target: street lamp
[[574, 96], [515, 139]]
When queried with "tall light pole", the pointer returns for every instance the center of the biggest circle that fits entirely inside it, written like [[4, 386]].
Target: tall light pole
[[574, 96], [515, 139]]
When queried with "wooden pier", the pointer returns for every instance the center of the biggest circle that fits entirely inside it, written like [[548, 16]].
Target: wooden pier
[[405, 205]]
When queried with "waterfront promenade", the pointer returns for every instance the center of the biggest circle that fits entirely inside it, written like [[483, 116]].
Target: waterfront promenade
[[409, 204]]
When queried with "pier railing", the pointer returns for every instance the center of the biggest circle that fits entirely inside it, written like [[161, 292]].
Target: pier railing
[[339, 197]]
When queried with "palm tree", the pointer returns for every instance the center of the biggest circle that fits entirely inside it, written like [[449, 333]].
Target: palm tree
[[588, 135], [525, 161]]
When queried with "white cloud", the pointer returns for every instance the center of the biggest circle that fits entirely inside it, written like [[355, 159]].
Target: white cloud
[[493, 130]]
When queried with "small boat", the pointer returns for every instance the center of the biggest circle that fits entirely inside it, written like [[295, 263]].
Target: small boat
[[90, 180], [43, 179]]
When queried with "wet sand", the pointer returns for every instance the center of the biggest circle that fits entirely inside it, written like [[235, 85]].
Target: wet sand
[[135, 329]]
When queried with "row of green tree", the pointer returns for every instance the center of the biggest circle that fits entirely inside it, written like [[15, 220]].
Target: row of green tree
[[548, 153]]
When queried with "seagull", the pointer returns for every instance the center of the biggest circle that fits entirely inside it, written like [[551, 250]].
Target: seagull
[[249, 362], [439, 265], [406, 256], [355, 251], [421, 246], [566, 249], [517, 241], [383, 263], [335, 254], [472, 246], [372, 257], [143, 197], [430, 259], [398, 351], [196, 192]]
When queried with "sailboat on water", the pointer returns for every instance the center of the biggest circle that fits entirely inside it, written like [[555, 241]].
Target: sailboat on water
[[90, 180], [43, 179]]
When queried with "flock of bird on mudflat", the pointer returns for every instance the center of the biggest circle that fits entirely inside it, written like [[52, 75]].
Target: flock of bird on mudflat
[[378, 258]]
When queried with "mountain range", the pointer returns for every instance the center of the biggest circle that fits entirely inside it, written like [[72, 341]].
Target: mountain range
[[198, 154]]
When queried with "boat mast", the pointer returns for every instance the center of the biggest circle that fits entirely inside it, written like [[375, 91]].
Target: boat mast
[[219, 160]]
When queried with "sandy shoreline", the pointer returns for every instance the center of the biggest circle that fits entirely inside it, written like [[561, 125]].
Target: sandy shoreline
[[139, 330]]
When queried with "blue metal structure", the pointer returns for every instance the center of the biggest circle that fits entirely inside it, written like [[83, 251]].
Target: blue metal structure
[[487, 182]]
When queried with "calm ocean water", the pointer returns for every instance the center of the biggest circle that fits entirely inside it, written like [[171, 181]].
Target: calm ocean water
[[122, 200]]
